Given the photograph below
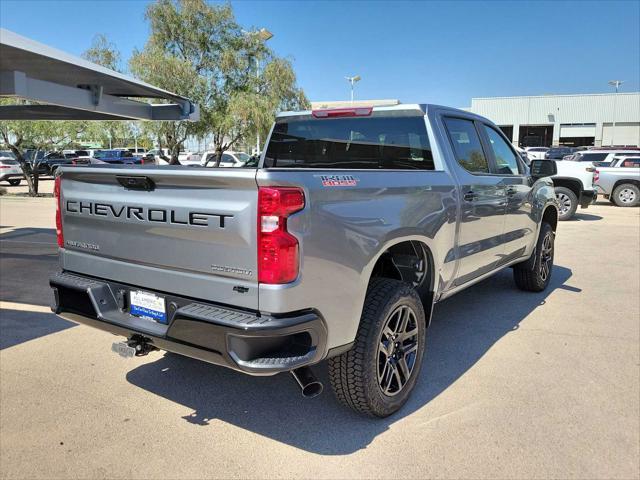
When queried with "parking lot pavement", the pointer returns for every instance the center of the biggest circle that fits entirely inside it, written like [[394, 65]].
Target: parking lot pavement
[[515, 385]]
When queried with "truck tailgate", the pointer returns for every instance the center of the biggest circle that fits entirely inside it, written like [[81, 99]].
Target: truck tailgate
[[188, 231]]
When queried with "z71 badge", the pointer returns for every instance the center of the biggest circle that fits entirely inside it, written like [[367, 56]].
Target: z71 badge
[[338, 180]]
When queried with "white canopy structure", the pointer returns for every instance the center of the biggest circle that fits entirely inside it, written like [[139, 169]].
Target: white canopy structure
[[66, 87]]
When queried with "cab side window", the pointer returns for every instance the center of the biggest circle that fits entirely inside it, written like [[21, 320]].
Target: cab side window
[[631, 163], [466, 145], [506, 160]]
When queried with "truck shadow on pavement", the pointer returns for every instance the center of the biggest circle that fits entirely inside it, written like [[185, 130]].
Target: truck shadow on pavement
[[18, 326], [463, 329], [27, 257], [585, 217]]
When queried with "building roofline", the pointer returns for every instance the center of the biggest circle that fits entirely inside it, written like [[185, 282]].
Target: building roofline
[[556, 95]]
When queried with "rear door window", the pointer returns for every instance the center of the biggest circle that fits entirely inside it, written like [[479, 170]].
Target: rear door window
[[505, 158], [377, 142], [466, 145]]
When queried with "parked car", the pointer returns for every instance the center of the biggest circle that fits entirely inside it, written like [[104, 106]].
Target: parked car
[[536, 152], [10, 170], [156, 152], [620, 182], [192, 160], [336, 247], [138, 152], [52, 160], [117, 156], [229, 159], [81, 161], [558, 153]]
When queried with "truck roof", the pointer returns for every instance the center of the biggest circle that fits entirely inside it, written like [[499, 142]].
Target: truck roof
[[423, 107]]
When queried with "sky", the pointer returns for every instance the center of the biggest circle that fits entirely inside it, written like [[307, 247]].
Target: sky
[[427, 52]]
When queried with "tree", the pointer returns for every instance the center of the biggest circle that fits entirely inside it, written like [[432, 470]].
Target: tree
[[199, 51], [19, 135], [105, 53]]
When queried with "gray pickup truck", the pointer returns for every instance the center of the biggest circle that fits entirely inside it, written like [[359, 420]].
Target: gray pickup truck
[[355, 222], [620, 181]]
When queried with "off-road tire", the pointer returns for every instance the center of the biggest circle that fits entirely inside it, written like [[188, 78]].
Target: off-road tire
[[354, 374], [529, 275], [15, 182], [632, 197], [563, 195]]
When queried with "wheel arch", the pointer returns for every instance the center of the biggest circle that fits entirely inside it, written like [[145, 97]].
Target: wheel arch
[[632, 181], [550, 215], [383, 266], [573, 184]]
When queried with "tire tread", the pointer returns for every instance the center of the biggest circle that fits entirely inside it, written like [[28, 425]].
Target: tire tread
[[348, 373]]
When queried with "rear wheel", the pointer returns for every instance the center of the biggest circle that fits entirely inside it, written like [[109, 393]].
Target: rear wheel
[[626, 195], [534, 274], [567, 203], [378, 374], [14, 182]]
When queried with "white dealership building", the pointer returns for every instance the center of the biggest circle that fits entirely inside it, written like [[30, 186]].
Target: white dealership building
[[573, 120]]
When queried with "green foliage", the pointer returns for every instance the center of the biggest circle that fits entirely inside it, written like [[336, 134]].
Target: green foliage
[[103, 52], [114, 133], [199, 51]]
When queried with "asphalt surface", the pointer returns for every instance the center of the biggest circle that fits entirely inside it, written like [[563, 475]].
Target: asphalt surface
[[515, 385]]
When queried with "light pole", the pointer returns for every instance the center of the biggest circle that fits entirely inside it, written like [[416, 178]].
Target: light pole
[[616, 84], [263, 34], [352, 81]]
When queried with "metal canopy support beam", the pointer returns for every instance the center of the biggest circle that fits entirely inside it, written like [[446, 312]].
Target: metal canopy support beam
[[90, 99], [75, 89]]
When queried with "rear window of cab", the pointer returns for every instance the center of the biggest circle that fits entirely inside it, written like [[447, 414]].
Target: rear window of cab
[[397, 143]]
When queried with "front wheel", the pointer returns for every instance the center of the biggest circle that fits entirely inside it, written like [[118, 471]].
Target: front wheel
[[626, 195], [14, 182], [567, 203], [534, 274], [378, 374]]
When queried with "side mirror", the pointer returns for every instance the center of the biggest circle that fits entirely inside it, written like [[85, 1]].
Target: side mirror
[[543, 168]]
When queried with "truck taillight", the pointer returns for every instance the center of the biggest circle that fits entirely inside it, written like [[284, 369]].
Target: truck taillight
[[56, 194], [278, 253], [596, 175]]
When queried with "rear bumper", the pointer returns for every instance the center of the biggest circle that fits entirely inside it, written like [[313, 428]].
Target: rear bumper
[[244, 341], [588, 197]]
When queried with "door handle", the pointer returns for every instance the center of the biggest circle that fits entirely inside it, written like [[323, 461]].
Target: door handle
[[511, 191], [470, 196]]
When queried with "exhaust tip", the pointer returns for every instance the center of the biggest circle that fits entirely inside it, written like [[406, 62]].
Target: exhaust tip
[[312, 390], [307, 381]]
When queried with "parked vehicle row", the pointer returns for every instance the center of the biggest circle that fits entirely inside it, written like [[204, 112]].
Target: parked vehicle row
[[576, 183]]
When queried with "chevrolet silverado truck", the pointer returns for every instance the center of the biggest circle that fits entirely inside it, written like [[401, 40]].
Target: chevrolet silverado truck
[[336, 247], [620, 181]]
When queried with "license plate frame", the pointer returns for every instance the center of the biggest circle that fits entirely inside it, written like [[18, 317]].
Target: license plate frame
[[148, 305]]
